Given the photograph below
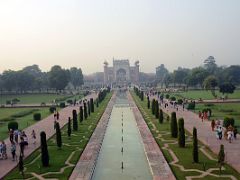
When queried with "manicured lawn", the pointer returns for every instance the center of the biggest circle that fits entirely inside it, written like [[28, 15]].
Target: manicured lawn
[[15, 114], [196, 94], [58, 157], [35, 98], [161, 132], [219, 111]]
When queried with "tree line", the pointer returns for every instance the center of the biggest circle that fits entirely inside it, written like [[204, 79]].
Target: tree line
[[32, 78], [208, 75]]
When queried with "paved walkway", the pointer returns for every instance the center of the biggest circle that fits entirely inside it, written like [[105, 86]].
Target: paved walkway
[[207, 136], [44, 125], [159, 166]]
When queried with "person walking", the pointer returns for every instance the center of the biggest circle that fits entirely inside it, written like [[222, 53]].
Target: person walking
[[219, 130], [4, 150], [13, 151], [33, 136], [22, 144], [57, 115], [15, 133], [213, 124]]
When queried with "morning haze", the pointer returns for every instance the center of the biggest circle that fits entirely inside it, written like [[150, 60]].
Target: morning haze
[[86, 33]]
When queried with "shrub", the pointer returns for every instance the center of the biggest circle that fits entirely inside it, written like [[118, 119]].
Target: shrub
[[75, 123], [92, 105], [174, 128], [191, 106], [156, 110], [209, 105], [181, 136], [8, 102], [228, 121], [221, 157], [85, 111], [69, 127], [180, 101], [62, 105], [15, 101], [81, 114], [24, 113], [195, 146], [44, 150], [160, 116], [58, 135], [70, 101], [148, 102], [167, 96], [52, 109], [37, 116], [43, 104], [12, 125], [173, 98], [153, 106]]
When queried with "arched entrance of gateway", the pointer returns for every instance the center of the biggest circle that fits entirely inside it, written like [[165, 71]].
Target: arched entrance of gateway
[[121, 75]]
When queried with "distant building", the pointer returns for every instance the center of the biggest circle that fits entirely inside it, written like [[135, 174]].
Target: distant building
[[121, 72]]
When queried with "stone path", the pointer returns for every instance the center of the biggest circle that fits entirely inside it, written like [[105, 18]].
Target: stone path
[[159, 166], [208, 137], [87, 162], [44, 125]]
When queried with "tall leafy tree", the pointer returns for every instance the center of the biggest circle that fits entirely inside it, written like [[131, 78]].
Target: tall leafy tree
[[76, 76], [58, 77], [210, 83], [75, 122]]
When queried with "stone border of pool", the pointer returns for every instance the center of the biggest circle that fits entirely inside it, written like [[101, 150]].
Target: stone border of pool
[[85, 167], [157, 162]]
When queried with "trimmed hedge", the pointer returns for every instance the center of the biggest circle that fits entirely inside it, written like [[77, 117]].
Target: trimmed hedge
[[228, 121], [52, 109], [62, 105], [37, 116], [12, 125]]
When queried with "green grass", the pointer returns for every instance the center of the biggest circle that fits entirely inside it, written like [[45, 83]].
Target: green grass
[[183, 154], [25, 120], [58, 157], [36, 98], [196, 94], [219, 111]]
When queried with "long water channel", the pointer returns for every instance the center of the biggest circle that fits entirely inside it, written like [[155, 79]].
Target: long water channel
[[122, 155]]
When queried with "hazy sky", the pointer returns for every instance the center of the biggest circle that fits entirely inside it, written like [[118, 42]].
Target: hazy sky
[[84, 33]]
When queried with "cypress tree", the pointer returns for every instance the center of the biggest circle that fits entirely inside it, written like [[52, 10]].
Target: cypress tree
[[44, 150], [181, 136], [160, 116], [85, 110], [75, 123], [148, 102], [153, 106], [20, 165], [69, 127], [58, 136], [157, 109], [174, 128], [92, 105], [89, 108], [81, 114], [142, 96], [221, 157], [97, 104], [195, 146]]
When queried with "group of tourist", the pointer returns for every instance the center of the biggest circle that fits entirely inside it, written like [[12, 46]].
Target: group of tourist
[[14, 136], [230, 132], [204, 115]]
